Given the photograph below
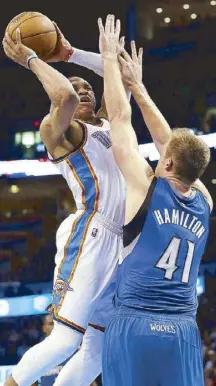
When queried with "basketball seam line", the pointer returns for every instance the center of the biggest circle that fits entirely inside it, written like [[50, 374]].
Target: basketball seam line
[[45, 57], [42, 33], [32, 17], [49, 52]]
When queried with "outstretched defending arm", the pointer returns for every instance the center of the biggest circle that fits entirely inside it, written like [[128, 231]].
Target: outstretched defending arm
[[135, 169], [158, 127], [131, 68]]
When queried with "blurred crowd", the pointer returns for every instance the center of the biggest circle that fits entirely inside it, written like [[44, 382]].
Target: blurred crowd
[[206, 319], [17, 335], [209, 356]]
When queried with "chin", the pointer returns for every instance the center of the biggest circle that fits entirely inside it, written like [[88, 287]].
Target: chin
[[83, 111], [86, 107]]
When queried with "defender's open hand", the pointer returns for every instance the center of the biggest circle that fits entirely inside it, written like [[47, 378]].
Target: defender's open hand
[[109, 37], [131, 66]]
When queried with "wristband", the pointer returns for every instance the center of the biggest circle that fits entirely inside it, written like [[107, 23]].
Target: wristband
[[69, 55], [33, 56]]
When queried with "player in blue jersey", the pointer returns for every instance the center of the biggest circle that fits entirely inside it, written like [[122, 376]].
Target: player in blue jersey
[[153, 339]]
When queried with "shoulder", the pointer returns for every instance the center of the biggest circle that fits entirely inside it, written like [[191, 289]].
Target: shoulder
[[65, 144], [105, 122], [198, 185], [76, 124], [207, 199]]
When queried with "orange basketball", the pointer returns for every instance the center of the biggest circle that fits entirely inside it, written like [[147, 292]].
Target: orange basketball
[[37, 32]]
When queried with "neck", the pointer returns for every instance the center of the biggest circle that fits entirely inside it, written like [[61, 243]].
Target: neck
[[88, 118], [180, 186]]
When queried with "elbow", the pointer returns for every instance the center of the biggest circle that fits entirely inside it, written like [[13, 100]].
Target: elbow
[[123, 150], [65, 96], [69, 96], [121, 116], [119, 151], [121, 155]]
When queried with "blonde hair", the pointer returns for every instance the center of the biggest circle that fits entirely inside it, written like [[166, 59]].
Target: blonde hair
[[190, 155]]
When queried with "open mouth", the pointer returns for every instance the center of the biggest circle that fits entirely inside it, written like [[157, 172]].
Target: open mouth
[[85, 99]]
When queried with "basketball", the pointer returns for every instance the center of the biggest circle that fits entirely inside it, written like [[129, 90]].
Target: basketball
[[37, 32]]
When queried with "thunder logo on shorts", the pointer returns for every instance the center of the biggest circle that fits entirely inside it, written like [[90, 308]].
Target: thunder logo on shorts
[[61, 287]]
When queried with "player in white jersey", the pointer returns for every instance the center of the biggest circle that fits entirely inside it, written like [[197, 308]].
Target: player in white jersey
[[87, 263]]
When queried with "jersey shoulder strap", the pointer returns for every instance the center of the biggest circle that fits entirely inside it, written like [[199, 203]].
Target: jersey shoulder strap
[[135, 226]]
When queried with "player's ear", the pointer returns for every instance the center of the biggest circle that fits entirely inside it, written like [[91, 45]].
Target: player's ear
[[169, 164]]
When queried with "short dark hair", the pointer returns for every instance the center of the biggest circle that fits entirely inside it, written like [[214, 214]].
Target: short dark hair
[[189, 153], [74, 78]]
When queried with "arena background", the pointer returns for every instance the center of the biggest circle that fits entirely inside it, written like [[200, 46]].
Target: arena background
[[180, 74]]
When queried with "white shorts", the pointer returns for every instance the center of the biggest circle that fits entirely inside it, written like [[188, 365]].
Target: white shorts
[[88, 249]]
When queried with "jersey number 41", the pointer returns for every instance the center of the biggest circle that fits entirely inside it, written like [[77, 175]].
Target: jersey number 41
[[169, 259]]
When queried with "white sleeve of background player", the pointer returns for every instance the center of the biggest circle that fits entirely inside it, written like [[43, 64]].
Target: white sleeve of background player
[[90, 60], [87, 59]]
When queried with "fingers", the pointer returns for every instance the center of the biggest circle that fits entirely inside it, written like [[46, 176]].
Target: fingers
[[59, 33], [118, 28], [112, 24], [121, 61], [136, 58], [121, 44], [134, 52], [100, 25], [140, 56], [111, 27], [126, 56], [9, 41], [122, 41], [56, 27], [18, 37], [108, 24], [7, 49]]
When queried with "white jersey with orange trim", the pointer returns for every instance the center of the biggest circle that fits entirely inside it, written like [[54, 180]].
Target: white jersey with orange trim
[[89, 242], [93, 175]]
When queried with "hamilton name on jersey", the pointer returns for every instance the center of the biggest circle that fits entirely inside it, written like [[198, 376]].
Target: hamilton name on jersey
[[178, 217]]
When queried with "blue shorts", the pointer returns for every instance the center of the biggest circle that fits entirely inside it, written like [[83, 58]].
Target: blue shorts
[[146, 349]]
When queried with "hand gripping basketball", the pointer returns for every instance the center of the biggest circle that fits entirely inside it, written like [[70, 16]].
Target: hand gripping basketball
[[63, 49], [37, 31], [17, 51]]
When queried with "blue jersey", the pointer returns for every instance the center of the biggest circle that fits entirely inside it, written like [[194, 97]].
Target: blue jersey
[[163, 247]]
